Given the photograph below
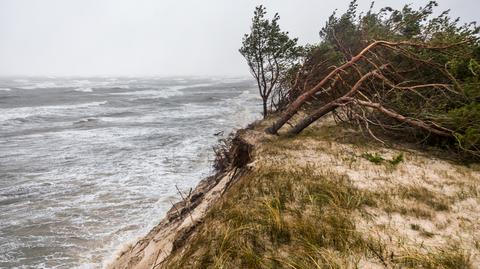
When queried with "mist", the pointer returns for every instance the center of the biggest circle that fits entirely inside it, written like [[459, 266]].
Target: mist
[[151, 37]]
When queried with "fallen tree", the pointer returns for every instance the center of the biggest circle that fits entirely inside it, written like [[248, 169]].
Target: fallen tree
[[336, 75]]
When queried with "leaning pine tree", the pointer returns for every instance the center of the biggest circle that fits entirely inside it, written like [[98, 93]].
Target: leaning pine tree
[[269, 53], [402, 73]]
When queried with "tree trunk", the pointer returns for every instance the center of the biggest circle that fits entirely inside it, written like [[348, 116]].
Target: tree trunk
[[295, 106], [313, 117], [333, 104], [265, 109]]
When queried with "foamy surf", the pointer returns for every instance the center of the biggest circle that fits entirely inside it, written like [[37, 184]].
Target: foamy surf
[[165, 93], [25, 112], [83, 90], [73, 171]]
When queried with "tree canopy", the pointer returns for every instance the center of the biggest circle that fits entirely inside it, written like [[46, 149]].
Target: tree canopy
[[404, 73], [269, 52]]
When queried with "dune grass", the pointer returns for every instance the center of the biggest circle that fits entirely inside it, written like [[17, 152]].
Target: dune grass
[[281, 219], [286, 215]]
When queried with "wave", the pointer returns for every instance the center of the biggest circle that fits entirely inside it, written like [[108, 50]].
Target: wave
[[83, 90], [22, 113], [77, 84], [42, 85], [88, 122], [181, 87], [166, 93], [160, 93], [112, 83], [5, 89], [232, 79]]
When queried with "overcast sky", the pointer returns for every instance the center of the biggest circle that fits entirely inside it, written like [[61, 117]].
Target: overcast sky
[[154, 37]]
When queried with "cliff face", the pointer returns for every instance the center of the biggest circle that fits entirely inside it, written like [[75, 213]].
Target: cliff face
[[328, 197]]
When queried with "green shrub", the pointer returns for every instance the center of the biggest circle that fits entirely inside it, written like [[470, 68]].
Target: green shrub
[[374, 158], [397, 159]]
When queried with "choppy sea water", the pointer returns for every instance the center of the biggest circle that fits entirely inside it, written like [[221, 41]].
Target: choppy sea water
[[89, 164]]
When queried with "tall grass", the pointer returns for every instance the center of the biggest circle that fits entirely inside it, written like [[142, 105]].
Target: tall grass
[[275, 218]]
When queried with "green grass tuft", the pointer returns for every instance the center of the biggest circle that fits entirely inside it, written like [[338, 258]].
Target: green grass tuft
[[397, 159], [374, 158]]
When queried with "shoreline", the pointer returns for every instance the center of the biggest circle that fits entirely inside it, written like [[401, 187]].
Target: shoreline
[[176, 222], [150, 250]]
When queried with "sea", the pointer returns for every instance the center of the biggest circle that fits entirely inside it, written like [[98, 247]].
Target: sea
[[88, 165]]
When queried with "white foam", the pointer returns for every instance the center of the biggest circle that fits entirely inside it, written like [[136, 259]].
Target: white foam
[[116, 86], [160, 93], [5, 89], [181, 87], [83, 90], [76, 83], [181, 80], [232, 79], [24, 112], [81, 82], [41, 85]]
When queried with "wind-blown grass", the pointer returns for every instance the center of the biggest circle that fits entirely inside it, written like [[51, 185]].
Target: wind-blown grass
[[279, 219]]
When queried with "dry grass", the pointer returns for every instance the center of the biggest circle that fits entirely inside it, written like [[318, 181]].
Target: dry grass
[[436, 201], [279, 219], [449, 256]]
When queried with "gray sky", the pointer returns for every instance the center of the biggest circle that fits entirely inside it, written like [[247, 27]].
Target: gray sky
[[154, 37]]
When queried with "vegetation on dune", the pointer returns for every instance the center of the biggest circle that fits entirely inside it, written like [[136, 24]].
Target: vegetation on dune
[[404, 73], [280, 219], [284, 215], [269, 53]]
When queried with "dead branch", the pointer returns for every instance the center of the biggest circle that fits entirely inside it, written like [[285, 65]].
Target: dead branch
[[401, 118]]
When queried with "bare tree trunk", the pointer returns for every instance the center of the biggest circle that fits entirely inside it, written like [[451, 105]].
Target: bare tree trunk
[[333, 104], [315, 116], [265, 109], [295, 106]]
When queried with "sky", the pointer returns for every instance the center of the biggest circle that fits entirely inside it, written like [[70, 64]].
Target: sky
[[155, 37]]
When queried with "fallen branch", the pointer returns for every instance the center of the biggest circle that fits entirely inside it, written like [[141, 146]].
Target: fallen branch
[[401, 118]]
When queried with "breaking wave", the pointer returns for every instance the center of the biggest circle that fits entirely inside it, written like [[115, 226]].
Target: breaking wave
[[21, 113]]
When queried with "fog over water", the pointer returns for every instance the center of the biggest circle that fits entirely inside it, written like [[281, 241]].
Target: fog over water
[[154, 37]]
